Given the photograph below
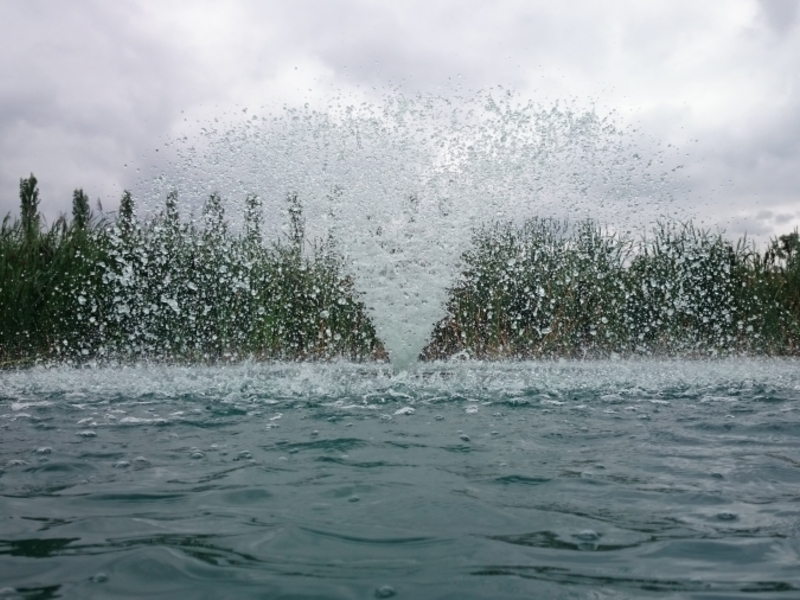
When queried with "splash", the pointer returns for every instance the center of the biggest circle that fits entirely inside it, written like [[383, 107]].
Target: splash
[[399, 184]]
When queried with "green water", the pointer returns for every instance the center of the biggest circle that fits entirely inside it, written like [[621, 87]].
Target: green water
[[643, 479]]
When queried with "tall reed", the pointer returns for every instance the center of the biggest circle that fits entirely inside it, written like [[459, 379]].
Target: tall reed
[[94, 288], [549, 288], [165, 289]]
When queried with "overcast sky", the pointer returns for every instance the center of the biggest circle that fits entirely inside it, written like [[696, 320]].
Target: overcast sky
[[89, 89]]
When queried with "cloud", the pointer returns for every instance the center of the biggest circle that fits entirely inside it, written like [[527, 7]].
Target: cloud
[[89, 87], [780, 15]]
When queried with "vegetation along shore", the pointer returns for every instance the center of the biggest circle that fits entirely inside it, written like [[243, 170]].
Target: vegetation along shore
[[97, 288]]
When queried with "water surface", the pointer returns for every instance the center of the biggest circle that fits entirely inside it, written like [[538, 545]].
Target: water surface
[[629, 479]]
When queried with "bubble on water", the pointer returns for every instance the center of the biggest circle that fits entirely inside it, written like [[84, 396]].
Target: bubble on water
[[99, 578], [727, 516], [16, 462], [197, 455], [385, 591], [353, 499], [122, 464], [244, 455], [315, 432], [87, 433], [464, 437], [44, 450], [471, 409], [406, 410], [587, 535]]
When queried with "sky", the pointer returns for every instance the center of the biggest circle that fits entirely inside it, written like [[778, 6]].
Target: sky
[[90, 90]]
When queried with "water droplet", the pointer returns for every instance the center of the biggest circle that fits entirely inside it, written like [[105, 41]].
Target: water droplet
[[587, 535], [464, 437], [315, 432], [197, 455]]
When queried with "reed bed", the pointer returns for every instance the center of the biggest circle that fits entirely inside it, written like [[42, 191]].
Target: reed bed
[[94, 288], [548, 289]]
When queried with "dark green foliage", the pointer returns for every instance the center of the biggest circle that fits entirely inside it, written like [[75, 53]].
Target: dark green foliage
[[548, 289], [81, 213], [166, 290], [47, 278], [29, 205], [253, 218], [782, 266], [126, 210]]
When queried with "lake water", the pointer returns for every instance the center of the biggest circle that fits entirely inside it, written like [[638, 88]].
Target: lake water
[[628, 479]]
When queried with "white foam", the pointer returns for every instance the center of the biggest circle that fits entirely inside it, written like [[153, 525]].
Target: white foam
[[552, 383]]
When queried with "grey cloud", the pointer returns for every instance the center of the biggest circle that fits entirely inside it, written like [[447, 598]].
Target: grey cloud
[[780, 15], [84, 90], [88, 86]]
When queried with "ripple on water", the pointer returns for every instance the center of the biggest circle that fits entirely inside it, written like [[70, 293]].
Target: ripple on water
[[539, 493]]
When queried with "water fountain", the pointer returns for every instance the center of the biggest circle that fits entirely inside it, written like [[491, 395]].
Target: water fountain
[[527, 478], [400, 184]]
